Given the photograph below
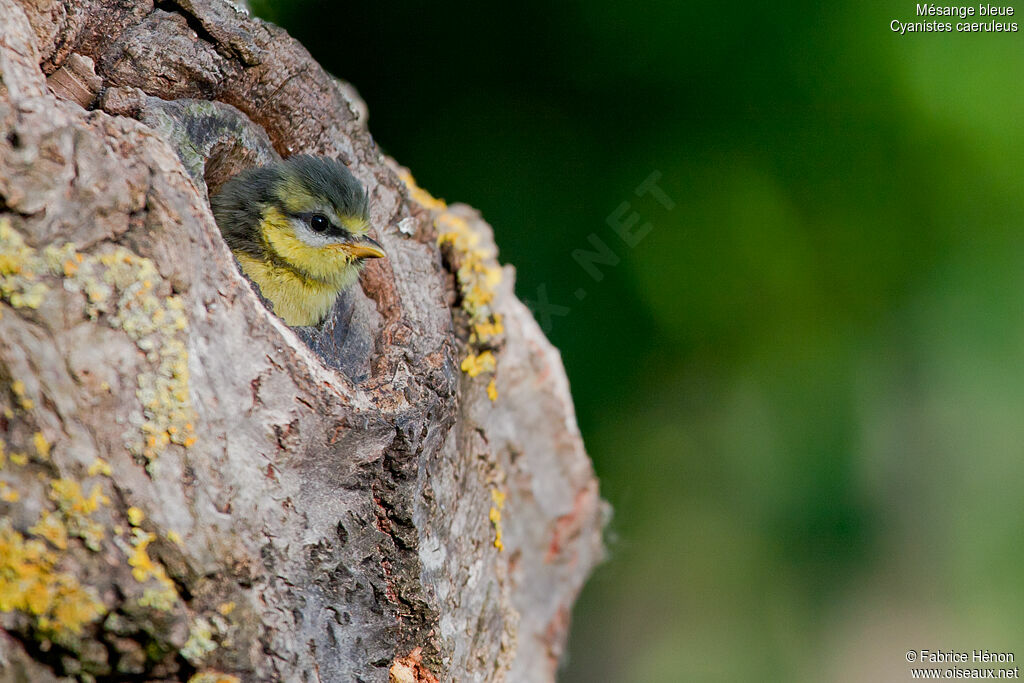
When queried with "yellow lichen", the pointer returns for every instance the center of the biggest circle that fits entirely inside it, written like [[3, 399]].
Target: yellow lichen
[[18, 387], [67, 493], [135, 516], [42, 445], [478, 276], [142, 566], [174, 537], [154, 325], [497, 504], [99, 466], [164, 595], [8, 494], [30, 583], [477, 363], [487, 330], [226, 608], [52, 529], [213, 677], [77, 510]]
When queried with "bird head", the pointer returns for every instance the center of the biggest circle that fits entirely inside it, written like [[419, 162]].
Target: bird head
[[299, 229], [313, 216]]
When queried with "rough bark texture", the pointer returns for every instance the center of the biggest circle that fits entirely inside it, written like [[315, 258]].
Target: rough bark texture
[[188, 486]]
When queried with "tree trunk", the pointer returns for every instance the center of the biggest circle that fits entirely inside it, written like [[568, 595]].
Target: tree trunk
[[191, 490]]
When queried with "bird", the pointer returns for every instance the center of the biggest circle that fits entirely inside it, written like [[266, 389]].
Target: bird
[[299, 231]]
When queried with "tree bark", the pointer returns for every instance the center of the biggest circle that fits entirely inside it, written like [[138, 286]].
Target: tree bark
[[191, 490]]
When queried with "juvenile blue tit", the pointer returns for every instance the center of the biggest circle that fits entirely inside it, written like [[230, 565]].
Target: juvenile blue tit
[[299, 230]]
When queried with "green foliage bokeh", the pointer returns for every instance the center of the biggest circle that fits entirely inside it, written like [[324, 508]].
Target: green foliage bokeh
[[803, 390]]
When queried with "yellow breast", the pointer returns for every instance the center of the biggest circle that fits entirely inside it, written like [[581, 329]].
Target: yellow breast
[[296, 299], [303, 291]]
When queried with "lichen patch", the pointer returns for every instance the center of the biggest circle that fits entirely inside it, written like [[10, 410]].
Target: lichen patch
[[477, 275], [161, 596], [477, 363], [31, 583], [497, 505], [121, 288], [200, 641], [77, 509]]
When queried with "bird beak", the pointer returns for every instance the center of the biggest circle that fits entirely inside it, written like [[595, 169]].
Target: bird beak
[[366, 247]]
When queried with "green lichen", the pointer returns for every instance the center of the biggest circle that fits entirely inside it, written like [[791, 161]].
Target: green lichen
[[20, 270], [122, 290], [156, 324], [200, 642], [119, 287]]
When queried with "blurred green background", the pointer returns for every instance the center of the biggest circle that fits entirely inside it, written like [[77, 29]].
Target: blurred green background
[[803, 391]]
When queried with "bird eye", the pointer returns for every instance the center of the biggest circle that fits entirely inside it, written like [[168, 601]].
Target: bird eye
[[319, 222]]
